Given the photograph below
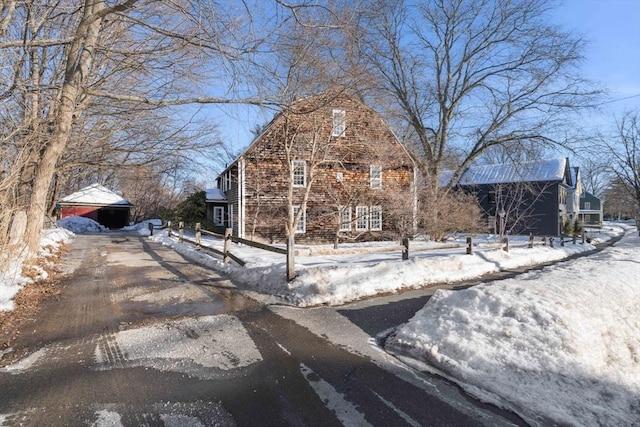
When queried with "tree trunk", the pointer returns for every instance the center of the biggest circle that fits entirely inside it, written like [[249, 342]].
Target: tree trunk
[[291, 260], [78, 63]]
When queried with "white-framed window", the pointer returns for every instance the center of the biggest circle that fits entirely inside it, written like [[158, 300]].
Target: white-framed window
[[345, 218], [362, 218], [587, 206], [299, 173], [375, 218], [339, 122], [226, 185], [301, 225], [218, 215], [375, 176]]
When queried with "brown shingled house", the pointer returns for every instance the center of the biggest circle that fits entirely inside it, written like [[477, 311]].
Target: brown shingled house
[[357, 177]]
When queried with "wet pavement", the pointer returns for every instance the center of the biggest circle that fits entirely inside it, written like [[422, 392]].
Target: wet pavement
[[142, 337]]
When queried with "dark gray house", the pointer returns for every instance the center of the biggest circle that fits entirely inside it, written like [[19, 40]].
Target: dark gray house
[[522, 198], [590, 210]]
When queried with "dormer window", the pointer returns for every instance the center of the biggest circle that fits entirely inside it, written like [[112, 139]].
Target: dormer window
[[339, 122]]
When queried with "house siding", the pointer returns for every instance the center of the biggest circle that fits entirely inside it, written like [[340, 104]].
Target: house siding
[[341, 179], [538, 212]]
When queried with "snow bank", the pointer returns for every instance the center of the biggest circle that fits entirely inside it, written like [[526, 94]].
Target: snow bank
[[11, 278], [142, 228], [81, 225], [338, 279], [562, 342]]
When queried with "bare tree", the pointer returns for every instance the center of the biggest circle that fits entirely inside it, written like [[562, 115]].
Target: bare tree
[[625, 152], [66, 61], [444, 213], [465, 76], [618, 203]]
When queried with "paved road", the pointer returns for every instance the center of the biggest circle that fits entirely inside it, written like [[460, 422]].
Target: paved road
[[140, 336]]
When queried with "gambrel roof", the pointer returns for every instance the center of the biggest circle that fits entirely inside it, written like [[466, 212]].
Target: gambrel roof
[[326, 99], [506, 173], [95, 195]]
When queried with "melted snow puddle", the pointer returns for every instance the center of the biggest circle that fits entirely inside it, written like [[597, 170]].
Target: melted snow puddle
[[200, 347]]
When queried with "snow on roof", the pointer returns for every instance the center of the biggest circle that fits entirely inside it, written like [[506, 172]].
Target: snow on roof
[[95, 194], [215, 195], [536, 171]]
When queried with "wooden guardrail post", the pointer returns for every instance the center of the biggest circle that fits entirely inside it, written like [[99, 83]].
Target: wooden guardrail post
[[469, 246], [198, 235], [505, 244], [544, 240], [551, 240], [169, 228], [530, 240], [181, 231], [227, 244], [405, 249]]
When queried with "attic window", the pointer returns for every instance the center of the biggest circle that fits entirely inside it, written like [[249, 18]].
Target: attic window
[[339, 122], [299, 173], [375, 176]]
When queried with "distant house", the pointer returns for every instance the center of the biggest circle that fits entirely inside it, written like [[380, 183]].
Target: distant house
[[333, 146], [590, 210], [98, 203], [522, 198]]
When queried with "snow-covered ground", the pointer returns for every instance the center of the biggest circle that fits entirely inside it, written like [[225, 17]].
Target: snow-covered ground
[[353, 272], [560, 346], [12, 277]]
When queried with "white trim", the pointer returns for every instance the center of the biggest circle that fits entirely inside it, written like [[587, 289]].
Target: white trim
[[339, 122], [375, 183], [241, 197], [345, 223], [218, 215], [377, 210], [362, 217], [295, 165], [303, 220]]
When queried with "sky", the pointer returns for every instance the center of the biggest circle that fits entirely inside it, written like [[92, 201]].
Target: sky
[[552, 345], [612, 59], [612, 56]]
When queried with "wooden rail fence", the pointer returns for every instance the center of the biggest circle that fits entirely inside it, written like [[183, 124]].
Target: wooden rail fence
[[228, 237]]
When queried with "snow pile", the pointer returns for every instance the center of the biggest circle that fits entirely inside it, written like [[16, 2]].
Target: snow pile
[[142, 228], [562, 342], [81, 225], [11, 277], [337, 279]]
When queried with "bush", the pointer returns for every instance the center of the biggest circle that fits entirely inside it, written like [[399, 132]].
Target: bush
[[577, 228], [568, 228], [445, 213], [193, 209]]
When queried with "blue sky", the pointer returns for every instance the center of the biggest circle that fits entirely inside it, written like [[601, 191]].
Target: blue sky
[[612, 58]]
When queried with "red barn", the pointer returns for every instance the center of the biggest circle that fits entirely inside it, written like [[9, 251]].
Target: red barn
[[98, 203]]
